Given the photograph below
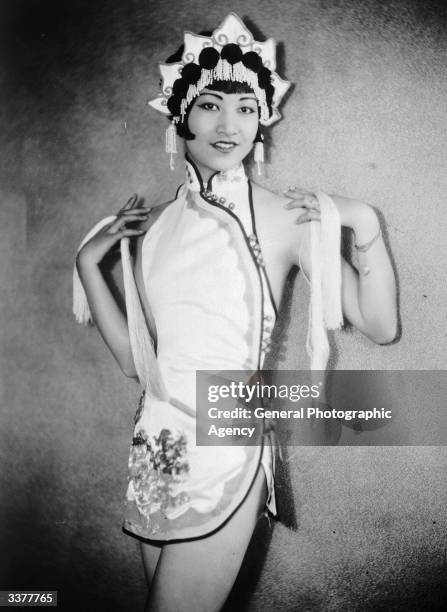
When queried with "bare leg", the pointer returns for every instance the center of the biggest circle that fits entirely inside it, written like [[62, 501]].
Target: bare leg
[[197, 576], [150, 553]]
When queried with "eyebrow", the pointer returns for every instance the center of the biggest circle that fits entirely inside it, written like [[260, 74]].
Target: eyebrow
[[211, 93]]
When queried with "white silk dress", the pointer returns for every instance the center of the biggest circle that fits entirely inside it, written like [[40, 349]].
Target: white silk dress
[[211, 308]]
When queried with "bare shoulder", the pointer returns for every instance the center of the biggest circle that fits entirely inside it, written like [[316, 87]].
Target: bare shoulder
[[277, 222], [274, 203], [266, 197]]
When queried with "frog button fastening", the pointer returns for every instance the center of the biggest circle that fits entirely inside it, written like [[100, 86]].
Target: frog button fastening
[[266, 345]]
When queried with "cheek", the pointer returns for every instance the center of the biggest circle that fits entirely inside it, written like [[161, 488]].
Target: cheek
[[252, 129], [199, 123], [191, 123]]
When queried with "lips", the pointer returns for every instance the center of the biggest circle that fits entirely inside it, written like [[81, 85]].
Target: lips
[[224, 146]]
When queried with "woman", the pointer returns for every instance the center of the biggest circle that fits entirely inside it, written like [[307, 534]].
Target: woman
[[209, 270]]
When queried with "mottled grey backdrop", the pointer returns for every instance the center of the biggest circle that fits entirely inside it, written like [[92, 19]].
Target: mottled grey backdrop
[[366, 118]]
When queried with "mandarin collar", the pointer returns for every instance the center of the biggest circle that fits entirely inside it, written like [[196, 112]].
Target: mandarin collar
[[229, 180]]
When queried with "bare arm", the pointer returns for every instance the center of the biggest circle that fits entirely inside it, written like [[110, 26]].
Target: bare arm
[[109, 319], [368, 294]]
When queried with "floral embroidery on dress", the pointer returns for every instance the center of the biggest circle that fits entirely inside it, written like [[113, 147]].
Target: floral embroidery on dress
[[156, 468]]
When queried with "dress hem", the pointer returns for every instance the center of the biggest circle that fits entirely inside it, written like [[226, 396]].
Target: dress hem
[[134, 530]]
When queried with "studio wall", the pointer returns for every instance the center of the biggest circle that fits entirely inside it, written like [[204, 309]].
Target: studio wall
[[365, 119]]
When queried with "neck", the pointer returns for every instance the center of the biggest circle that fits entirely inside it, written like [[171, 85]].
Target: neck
[[202, 171], [211, 180]]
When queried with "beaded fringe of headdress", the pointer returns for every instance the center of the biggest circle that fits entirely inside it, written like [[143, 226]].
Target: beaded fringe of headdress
[[224, 71]]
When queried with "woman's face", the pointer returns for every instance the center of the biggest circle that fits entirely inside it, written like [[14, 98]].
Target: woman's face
[[224, 126]]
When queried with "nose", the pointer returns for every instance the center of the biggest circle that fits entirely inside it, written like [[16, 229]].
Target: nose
[[227, 124]]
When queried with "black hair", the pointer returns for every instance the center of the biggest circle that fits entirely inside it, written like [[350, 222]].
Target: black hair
[[208, 59], [226, 87]]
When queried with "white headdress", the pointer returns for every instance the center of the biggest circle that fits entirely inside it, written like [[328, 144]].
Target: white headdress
[[230, 53]]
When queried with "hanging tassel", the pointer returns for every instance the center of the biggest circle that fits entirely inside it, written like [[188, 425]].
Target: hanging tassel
[[171, 144], [325, 311], [141, 342], [330, 237], [259, 152]]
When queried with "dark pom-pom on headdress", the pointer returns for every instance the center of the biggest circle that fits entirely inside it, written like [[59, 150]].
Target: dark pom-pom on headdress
[[252, 61], [229, 54], [232, 53], [191, 73], [209, 57]]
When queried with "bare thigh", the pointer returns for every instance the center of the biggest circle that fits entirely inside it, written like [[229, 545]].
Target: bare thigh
[[198, 575], [150, 554]]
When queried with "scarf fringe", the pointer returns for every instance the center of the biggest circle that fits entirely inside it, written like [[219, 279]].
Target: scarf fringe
[[325, 310], [141, 342]]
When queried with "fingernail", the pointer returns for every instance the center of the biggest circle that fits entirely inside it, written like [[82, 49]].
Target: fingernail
[[130, 202]]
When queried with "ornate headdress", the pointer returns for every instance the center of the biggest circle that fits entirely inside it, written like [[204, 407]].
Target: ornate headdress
[[230, 54]]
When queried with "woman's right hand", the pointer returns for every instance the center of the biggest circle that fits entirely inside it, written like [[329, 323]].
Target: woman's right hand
[[100, 244]]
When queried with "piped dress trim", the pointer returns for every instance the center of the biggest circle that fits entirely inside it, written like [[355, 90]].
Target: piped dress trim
[[236, 183]]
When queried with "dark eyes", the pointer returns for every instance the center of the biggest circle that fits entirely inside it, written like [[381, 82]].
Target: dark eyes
[[208, 106], [211, 106], [247, 110]]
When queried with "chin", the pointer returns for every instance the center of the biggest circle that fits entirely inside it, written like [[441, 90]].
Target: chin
[[224, 162], [217, 162]]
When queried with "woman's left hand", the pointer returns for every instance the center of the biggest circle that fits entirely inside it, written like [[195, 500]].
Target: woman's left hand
[[360, 217]]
